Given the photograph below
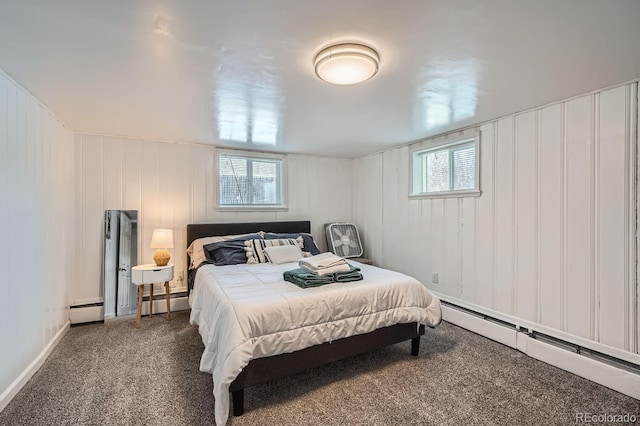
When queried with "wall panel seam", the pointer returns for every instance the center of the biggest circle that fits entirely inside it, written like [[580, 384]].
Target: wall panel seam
[[460, 230], [104, 180], [476, 219], [382, 196], [191, 186], [514, 214], [123, 177], [564, 220], [632, 317], [536, 224], [140, 226], [628, 137], [594, 174], [494, 152], [141, 216], [431, 203], [633, 242], [82, 198]]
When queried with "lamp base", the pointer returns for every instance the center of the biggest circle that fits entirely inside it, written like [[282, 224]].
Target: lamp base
[[161, 257]]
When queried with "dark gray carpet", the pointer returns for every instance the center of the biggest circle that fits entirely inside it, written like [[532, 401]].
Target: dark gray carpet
[[114, 374]]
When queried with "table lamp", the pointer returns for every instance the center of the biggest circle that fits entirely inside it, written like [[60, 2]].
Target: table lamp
[[162, 240]]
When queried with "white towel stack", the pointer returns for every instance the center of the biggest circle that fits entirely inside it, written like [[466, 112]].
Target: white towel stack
[[324, 264]]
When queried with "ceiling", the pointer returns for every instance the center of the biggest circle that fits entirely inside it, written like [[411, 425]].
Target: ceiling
[[240, 73]]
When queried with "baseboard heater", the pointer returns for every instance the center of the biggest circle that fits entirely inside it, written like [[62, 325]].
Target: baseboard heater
[[86, 305], [554, 341], [85, 313]]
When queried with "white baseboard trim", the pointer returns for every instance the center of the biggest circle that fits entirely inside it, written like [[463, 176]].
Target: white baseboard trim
[[618, 379], [35, 365]]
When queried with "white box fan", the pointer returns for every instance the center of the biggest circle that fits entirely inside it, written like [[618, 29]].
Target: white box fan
[[343, 239]]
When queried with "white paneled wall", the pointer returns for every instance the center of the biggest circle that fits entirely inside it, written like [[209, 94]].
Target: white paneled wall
[[37, 231], [551, 239], [173, 184]]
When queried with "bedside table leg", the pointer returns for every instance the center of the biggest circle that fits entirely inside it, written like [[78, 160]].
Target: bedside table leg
[[166, 287], [150, 300], [140, 292]]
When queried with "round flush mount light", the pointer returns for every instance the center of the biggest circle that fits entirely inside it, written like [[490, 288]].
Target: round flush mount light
[[346, 63]]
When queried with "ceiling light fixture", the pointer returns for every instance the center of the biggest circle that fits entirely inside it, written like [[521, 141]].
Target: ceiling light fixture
[[346, 63]]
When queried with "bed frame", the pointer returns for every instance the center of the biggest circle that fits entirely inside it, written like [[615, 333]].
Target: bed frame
[[261, 370]]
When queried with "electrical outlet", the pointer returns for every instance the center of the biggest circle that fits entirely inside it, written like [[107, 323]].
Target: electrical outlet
[[434, 277]]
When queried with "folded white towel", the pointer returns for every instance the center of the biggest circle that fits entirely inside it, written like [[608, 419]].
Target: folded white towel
[[326, 271], [322, 260]]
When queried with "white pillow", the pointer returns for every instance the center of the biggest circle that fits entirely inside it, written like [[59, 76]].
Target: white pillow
[[283, 254], [254, 249]]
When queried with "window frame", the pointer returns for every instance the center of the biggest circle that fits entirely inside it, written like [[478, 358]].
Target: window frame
[[417, 169], [252, 155]]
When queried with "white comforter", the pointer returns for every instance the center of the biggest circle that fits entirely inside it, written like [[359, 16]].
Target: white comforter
[[249, 311]]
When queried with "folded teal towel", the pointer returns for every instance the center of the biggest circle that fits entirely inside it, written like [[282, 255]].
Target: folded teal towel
[[303, 278], [344, 277]]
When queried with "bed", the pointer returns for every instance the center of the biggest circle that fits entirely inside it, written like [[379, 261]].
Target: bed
[[257, 327]]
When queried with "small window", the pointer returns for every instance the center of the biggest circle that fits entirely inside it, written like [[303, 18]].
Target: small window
[[247, 179], [446, 170]]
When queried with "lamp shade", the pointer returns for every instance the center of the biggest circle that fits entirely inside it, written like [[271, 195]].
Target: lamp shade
[[162, 239]]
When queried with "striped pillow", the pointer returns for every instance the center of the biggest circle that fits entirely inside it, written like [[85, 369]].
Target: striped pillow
[[255, 248]]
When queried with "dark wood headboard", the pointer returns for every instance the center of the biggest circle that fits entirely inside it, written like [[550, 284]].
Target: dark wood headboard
[[201, 230]]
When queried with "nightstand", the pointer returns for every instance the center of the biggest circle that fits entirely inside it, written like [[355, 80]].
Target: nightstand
[[150, 274]]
